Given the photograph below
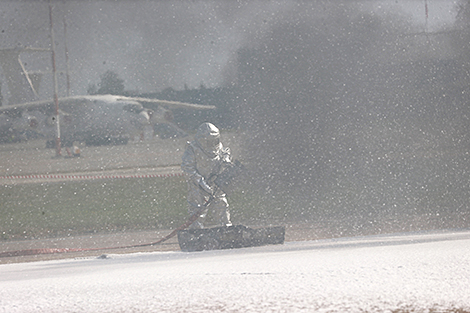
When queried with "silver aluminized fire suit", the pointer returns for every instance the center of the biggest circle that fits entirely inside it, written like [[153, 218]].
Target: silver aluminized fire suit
[[203, 159]]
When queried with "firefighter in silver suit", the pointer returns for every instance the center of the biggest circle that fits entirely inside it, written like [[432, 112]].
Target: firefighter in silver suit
[[203, 159]]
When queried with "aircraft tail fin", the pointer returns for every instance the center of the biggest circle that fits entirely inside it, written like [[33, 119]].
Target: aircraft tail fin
[[22, 85]]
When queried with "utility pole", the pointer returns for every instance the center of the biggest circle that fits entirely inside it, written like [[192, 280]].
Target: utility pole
[[54, 75], [67, 58]]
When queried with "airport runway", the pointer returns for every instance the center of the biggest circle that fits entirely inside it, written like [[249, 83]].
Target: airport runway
[[30, 162], [31, 158], [413, 272]]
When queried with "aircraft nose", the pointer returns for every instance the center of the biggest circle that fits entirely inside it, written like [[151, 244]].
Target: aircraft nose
[[144, 117]]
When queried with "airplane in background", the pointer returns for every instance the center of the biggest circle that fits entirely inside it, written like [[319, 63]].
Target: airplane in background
[[92, 119]]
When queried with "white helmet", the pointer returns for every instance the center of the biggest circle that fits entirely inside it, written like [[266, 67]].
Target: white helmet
[[208, 138]]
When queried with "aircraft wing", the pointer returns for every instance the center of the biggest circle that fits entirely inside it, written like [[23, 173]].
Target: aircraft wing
[[48, 106], [171, 104]]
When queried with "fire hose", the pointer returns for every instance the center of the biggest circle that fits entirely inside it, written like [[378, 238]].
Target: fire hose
[[193, 217], [220, 181]]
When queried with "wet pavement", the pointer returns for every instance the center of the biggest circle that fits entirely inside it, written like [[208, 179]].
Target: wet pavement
[[32, 157], [27, 161]]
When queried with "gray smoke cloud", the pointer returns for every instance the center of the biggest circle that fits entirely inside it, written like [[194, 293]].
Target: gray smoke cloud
[[348, 117], [150, 44], [353, 122]]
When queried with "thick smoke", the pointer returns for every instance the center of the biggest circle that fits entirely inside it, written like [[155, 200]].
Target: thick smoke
[[152, 45], [352, 121], [348, 115]]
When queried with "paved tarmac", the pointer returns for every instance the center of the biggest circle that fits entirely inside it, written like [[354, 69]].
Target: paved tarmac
[[31, 162], [28, 162], [30, 158], [107, 242]]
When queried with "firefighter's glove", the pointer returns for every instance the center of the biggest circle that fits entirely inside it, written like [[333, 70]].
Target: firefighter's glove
[[205, 186]]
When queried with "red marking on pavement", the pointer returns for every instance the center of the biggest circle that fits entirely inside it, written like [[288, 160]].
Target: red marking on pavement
[[72, 177]]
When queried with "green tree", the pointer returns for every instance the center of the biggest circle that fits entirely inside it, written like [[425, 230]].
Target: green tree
[[110, 83]]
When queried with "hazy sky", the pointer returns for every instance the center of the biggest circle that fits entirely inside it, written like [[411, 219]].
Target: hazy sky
[[157, 44], [440, 12]]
